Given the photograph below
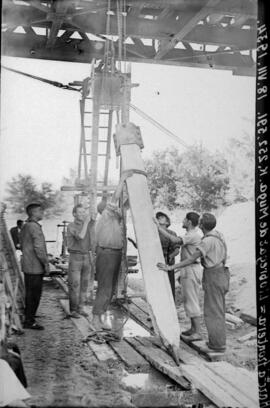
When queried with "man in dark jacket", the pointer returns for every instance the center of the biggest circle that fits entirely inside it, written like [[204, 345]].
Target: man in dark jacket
[[15, 233], [170, 250], [34, 263]]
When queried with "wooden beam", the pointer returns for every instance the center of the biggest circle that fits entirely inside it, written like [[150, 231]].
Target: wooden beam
[[186, 27], [249, 319], [132, 359], [244, 381], [157, 287], [215, 388], [160, 360]]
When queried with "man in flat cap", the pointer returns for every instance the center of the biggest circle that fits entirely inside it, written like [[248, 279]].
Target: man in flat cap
[[35, 262]]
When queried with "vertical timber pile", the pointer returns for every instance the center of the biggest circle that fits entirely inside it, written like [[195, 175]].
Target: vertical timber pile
[[156, 282], [122, 282]]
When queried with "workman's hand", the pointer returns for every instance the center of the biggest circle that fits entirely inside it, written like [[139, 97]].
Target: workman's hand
[[87, 218], [156, 222], [47, 269], [163, 267]]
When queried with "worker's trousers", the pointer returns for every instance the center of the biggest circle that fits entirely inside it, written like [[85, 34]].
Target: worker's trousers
[[108, 262], [171, 276], [79, 271], [215, 285], [33, 290]]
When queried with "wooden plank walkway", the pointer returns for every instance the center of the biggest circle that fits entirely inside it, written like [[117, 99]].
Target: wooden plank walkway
[[201, 348], [224, 384], [132, 359]]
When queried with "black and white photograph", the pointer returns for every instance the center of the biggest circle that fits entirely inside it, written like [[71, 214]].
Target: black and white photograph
[[134, 206]]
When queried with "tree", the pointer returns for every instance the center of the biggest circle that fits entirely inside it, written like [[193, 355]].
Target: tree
[[204, 180], [23, 189], [163, 176], [241, 157], [194, 179]]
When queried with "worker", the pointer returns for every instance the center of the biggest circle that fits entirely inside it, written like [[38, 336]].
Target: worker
[[191, 275], [170, 249], [79, 269], [109, 245], [35, 263], [215, 282], [15, 233]]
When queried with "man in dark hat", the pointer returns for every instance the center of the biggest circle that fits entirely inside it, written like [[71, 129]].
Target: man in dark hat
[[169, 248], [35, 262], [15, 233]]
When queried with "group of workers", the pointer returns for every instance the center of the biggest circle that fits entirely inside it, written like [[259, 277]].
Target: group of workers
[[203, 263]]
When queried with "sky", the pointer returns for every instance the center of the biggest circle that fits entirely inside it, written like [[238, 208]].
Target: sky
[[40, 124]]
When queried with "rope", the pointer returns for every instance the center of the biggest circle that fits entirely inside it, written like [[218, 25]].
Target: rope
[[47, 81]]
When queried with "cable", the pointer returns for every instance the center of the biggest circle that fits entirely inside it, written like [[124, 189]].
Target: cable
[[47, 81], [158, 125]]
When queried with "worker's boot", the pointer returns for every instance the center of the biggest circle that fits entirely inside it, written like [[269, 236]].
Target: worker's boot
[[190, 331]]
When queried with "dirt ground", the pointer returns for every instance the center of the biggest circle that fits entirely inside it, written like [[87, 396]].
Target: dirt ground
[[60, 369]]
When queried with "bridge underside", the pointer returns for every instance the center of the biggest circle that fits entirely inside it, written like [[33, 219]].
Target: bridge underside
[[215, 34]]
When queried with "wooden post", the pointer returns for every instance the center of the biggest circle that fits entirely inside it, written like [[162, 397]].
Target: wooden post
[[122, 279], [157, 287]]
